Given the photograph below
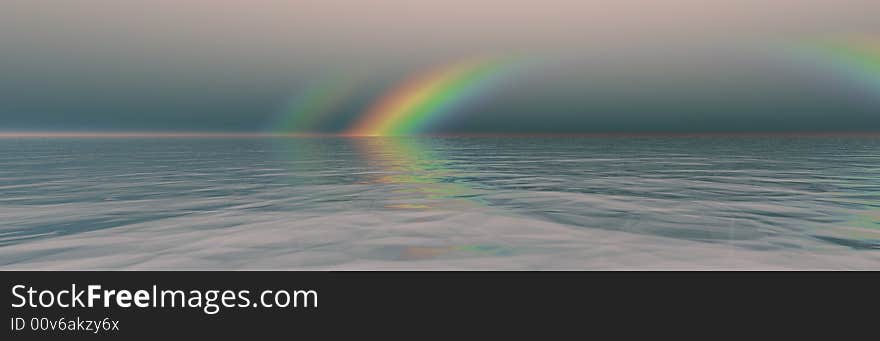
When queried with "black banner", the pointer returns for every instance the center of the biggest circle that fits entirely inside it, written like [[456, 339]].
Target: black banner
[[336, 304]]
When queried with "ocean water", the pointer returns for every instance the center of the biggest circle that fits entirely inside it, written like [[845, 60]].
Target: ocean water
[[440, 203]]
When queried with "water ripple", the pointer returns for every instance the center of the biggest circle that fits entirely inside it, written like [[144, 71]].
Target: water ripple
[[498, 203]]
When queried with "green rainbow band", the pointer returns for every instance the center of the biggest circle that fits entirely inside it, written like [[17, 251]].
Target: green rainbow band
[[456, 91], [414, 105], [856, 58]]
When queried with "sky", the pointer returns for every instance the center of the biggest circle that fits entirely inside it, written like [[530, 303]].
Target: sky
[[584, 66]]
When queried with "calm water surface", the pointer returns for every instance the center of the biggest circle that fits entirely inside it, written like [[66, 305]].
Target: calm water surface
[[441, 203]]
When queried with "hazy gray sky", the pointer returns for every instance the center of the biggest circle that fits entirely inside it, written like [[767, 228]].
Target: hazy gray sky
[[601, 66]]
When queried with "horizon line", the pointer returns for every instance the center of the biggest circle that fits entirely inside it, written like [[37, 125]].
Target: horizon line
[[233, 134]]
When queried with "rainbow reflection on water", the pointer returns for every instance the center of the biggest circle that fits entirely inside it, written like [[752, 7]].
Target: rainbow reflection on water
[[719, 202]]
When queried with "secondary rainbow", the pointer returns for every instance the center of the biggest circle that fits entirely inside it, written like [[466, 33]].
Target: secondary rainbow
[[415, 104], [306, 112]]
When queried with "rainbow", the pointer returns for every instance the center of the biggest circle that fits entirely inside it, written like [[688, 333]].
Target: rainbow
[[413, 105], [305, 112], [855, 58]]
